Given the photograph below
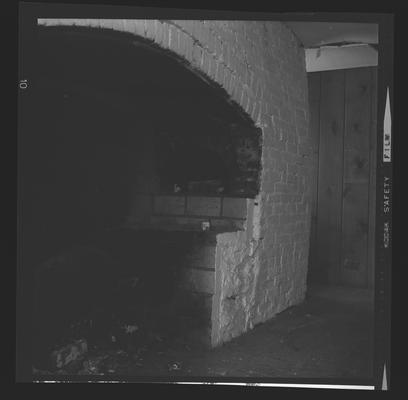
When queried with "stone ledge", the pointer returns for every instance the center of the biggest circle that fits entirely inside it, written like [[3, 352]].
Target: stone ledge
[[169, 205], [204, 206], [234, 207]]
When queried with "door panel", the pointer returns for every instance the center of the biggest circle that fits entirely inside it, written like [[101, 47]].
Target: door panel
[[354, 229], [330, 173], [314, 104], [343, 124]]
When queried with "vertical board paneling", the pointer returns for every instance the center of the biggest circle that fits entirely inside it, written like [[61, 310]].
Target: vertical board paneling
[[330, 173], [343, 123], [356, 177], [372, 184], [314, 106]]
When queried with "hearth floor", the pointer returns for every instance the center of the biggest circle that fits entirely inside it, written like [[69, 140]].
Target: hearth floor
[[329, 335]]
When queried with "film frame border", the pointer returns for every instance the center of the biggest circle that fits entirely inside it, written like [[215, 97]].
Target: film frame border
[[28, 14]]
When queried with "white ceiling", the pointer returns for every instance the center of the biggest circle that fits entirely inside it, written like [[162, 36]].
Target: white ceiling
[[333, 45], [314, 34]]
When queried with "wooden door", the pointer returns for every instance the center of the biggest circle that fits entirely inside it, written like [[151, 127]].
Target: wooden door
[[342, 107]]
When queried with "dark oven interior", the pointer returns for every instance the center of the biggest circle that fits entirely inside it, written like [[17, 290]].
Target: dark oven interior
[[116, 120]]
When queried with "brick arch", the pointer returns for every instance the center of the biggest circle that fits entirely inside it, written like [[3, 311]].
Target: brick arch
[[261, 67], [202, 47]]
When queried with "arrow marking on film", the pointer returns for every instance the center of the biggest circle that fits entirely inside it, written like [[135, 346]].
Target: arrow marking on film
[[387, 130], [384, 381]]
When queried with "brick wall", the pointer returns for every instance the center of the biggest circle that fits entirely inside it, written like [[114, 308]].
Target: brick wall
[[188, 212], [197, 281], [261, 67]]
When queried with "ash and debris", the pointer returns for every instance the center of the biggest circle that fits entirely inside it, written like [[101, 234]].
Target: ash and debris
[[98, 313], [120, 346]]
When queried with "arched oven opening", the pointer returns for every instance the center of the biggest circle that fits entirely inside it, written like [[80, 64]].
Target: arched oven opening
[[134, 167]]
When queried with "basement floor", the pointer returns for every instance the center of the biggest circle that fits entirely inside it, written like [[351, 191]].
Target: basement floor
[[329, 335]]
